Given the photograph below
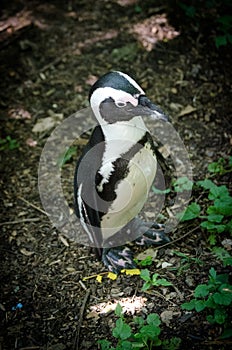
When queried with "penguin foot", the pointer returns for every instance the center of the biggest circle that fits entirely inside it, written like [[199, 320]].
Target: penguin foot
[[155, 235], [118, 258]]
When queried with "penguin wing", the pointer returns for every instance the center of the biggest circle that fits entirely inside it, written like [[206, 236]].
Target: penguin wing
[[86, 200]]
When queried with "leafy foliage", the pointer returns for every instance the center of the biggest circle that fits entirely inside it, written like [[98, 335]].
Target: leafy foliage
[[8, 143], [145, 336], [217, 217], [64, 158], [145, 262], [223, 255], [152, 280], [213, 12], [221, 166], [215, 296]]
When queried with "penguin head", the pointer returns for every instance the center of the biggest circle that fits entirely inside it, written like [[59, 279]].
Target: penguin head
[[117, 97]]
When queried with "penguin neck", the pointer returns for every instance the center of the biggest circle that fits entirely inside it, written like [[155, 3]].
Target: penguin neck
[[132, 130]]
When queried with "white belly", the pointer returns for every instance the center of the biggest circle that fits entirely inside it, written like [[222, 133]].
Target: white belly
[[131, 192]]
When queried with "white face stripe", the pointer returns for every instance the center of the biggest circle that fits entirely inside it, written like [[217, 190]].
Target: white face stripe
[[100, 94], [132, 82]]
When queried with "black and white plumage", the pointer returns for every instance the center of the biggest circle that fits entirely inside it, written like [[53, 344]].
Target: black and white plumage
[[116, 170]]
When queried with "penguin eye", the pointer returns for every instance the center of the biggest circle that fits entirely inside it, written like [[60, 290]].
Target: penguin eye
[[120, 104]]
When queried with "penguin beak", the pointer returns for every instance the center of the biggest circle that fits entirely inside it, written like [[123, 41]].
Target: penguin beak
[[147, 108]]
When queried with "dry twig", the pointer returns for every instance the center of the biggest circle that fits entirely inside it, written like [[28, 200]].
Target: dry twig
[[81, 314]]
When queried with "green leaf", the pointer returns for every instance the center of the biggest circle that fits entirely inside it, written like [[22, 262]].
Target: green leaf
[[192, 212], [222, 254], [183, 184], [201, 291], [150, 331], [122, 330], [212, 239], [227, 333], [147, 261], [200, 305], [189, 305], [229, 227], [224, 206], [118, 310], [220, 40], [154, 278], [8, 143], [224, 298], [210, 303], [163, 282], [139, 321], [125, 345], [153, 319], [145, 275], [220, 316], [171, 344], [66, 156], [218, 192], [210, 319], [216, 167], [206, 184], [215, 217], [146, 286], [223, 279], [213, 273], [230, 161], [105, 344], [210, 226]]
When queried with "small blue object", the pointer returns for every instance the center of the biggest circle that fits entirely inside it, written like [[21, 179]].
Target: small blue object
[[18, 306]]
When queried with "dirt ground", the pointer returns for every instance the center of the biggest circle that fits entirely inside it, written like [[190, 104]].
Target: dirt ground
[[51, 53]]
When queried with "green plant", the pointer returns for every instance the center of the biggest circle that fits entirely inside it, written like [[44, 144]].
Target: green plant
[[186, 261], [213, 12], [66, 156], [152, 280], [218, 215], [145, 262], [8, 143], [215, 296], [171, 344], [224, 28], [179, 185], [223, 255], [221, 166], [145, 336]]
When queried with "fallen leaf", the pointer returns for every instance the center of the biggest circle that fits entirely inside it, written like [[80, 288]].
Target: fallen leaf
[[148, 252], [92, 314], [166, 316], [187, 110], [47, 123]]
